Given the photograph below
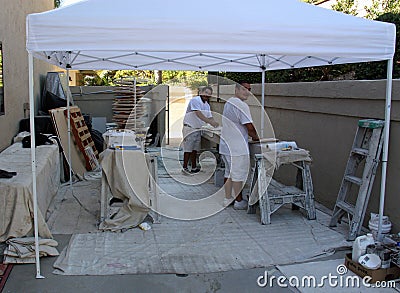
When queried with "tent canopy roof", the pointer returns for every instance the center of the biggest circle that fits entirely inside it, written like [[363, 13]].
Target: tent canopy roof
[[215, 35]]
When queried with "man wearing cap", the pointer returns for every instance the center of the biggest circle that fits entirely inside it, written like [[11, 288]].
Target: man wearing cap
[[198, 113]]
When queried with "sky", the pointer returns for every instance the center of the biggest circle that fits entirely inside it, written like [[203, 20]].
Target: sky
[[328, 4], [67, 2]]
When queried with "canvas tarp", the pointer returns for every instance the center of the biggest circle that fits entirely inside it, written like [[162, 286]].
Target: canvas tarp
[[125, 175]]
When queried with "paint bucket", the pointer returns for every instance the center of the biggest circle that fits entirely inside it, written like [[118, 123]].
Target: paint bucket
[[373, 225], [383, 253]]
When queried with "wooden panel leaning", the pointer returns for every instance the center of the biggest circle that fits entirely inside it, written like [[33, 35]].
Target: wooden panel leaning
[[82, 136]]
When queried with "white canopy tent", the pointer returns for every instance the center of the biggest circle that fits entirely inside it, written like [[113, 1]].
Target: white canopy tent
[[256, 35]]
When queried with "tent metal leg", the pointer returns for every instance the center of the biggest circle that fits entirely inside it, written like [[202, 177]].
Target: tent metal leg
[[263, 68], [33, 158], [69, 134], [385, 143], [262, 102]]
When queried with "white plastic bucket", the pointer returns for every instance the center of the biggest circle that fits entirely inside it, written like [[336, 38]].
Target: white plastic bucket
[[373, 224]]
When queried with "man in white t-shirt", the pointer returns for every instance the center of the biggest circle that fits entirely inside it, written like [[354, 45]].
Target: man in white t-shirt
[[237, 126], [198, 113]]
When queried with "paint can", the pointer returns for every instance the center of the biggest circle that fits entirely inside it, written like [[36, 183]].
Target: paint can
[[383, 253]]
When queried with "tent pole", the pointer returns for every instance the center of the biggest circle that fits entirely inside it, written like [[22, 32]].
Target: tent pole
[[135, 101], [262, 102], [262, 94], [33, 158], [385, 144], [69, 130]]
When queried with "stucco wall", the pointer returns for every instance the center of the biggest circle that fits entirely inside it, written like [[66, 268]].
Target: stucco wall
[[15, 63], [322, 117]]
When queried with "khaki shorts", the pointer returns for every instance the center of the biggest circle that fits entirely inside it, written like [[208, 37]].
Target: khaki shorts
[[236, 167], [191, 139]]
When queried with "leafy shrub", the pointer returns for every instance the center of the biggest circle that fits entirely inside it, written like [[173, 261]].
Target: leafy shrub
[[366, 70], [377, 70]]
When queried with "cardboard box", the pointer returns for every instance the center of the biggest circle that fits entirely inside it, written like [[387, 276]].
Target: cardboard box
[[377, 275]]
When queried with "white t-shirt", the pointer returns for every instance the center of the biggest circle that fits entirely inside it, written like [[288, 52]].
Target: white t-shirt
[[234, 134], [196, 104]]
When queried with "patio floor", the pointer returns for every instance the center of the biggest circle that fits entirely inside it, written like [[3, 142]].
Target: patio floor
[[226, 252]]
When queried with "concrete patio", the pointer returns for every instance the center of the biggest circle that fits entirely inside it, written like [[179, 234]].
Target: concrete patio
[[226, 252]]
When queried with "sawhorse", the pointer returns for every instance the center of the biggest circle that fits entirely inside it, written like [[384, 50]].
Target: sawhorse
[[272, 195]]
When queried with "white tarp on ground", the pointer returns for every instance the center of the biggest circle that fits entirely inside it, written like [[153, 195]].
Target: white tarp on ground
[[229, 240], [213, 35]]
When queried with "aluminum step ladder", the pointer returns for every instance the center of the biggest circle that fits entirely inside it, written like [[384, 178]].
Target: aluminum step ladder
[[367, 147]]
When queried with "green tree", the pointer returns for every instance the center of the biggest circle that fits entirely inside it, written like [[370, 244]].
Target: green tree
[[192, 79], [379, 7], [110, 77], [377, 70], [382, 10], [345, 6]]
